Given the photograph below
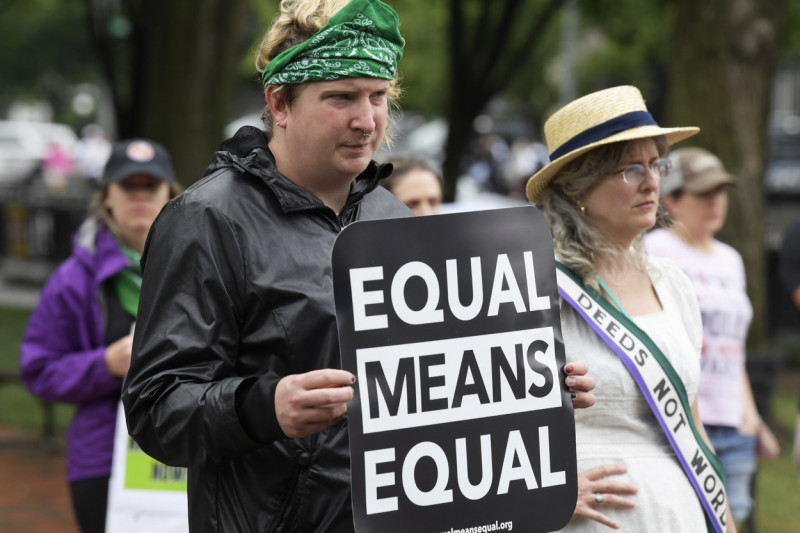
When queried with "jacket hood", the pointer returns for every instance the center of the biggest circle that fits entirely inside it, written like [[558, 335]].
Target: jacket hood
[[248, 151], [96, 250]]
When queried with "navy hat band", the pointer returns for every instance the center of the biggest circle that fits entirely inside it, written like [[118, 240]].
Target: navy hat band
[[606, 129]]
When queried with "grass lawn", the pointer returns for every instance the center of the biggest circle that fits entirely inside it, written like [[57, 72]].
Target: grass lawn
[[19, 408], [778, 482]]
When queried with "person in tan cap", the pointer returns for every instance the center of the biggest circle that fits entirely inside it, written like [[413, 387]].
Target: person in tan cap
[[695, 194], [633, 318]]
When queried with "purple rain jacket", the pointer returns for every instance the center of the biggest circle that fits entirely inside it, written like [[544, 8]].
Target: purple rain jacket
[[62, 351]]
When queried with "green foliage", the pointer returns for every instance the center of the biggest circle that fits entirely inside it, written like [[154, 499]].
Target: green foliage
[[264, 11], [536, 86], [12, 324], [46, 49], [790, 35], [624, 42], [777, 480], [423, 69]]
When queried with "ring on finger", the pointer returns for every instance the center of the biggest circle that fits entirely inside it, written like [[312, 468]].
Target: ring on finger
[[598, 499]]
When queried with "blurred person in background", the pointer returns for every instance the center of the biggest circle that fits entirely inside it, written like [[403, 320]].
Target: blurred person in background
[[415, 183], [486, 163], [790, 274], [57, 166], [527, 157], [632, 317], [695, 194], [77, 346], [92, 152]]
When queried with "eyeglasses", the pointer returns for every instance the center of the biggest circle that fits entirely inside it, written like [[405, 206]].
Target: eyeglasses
[[636, 174]]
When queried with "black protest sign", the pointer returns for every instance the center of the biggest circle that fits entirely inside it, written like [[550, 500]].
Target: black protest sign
[[460, 419]]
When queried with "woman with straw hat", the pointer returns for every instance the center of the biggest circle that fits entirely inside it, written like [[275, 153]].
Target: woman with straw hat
[[645, 462]]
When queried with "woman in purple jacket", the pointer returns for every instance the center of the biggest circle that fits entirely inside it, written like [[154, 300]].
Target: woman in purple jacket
[[77, 346]]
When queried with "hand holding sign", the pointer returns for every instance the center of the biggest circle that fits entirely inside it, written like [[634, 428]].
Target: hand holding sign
[[579, 384], [308, 403]]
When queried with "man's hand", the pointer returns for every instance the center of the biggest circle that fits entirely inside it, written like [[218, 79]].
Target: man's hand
[[308, 403], [579, 384]]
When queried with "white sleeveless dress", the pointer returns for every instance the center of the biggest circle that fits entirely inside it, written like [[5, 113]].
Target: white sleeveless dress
[[620, 427]]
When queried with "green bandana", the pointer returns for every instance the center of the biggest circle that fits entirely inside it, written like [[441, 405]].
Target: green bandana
[[362, 40], [128, 283]]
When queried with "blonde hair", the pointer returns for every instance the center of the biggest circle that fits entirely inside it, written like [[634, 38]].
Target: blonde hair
[[579, 244], [296, 22]]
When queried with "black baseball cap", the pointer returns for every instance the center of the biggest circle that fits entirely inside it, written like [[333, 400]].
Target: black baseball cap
[[133, 157]]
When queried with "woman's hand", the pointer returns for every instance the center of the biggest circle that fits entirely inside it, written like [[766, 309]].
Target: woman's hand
[[596, 491], [118, 356], [768, 446], [579, 384]]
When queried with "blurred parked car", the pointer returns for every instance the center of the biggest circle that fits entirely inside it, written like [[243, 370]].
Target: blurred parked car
[[23, 145], [783, 168]]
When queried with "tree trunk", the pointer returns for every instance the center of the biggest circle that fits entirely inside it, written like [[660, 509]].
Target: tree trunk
[[486, 51], [723, 58], [172, 77], [190, 54]]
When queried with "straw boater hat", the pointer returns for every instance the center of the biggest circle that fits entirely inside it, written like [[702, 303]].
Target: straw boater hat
[[605, 117]]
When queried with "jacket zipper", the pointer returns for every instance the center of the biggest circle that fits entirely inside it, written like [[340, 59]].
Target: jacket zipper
[[338, 220], [286, 505]]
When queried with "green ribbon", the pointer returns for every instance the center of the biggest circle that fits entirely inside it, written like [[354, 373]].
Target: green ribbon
[[362, 40], [128, 282]]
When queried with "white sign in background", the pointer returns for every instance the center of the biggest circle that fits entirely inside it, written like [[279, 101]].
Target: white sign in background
[[137, 511]]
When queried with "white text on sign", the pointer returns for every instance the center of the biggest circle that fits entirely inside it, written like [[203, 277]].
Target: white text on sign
[[516, 466], [505, 289]]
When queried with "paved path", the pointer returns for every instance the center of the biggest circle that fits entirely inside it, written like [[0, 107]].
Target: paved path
[[34, 497]]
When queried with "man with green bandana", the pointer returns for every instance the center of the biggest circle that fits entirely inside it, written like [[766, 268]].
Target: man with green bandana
[[235, 372]]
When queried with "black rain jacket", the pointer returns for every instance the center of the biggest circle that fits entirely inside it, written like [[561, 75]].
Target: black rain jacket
[[238, 293]]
